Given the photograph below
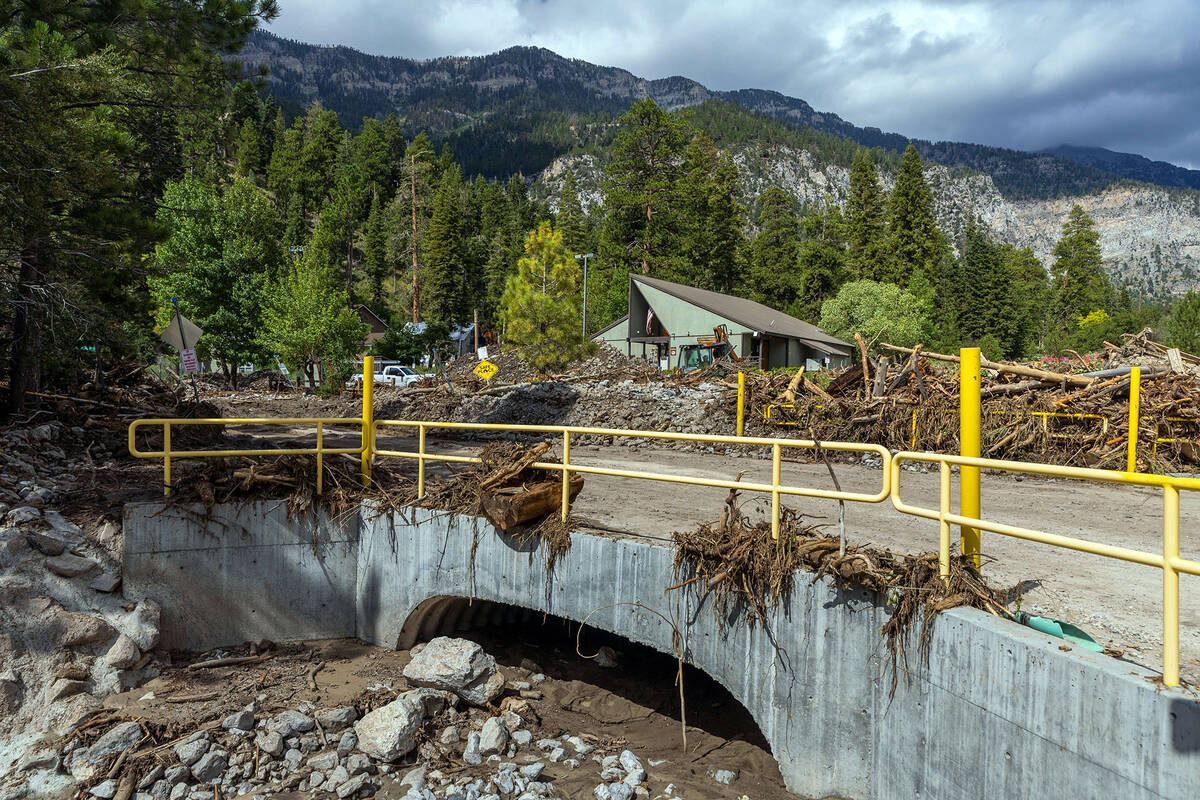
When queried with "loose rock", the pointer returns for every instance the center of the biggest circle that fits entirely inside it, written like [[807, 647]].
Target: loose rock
[[458, 666], [69, 566], [387, 733]]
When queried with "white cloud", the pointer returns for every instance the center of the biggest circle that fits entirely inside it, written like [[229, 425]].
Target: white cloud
[[1023, 73]]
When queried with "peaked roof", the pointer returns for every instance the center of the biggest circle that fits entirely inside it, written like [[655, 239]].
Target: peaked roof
[[753, 315]]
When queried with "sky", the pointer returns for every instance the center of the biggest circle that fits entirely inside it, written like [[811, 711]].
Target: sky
[[1021, 74]]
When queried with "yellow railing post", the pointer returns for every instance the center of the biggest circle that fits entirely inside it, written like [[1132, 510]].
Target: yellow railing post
[[1170, 585], [320, 456], [420, 461], [913, 446], [566, 475], [166, 459], [741, 406], [776, 469], [368, 417], [969, 437], [943, 525], [1135, 397]]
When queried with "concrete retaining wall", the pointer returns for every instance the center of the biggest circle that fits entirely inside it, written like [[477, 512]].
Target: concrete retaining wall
[[999, 711]]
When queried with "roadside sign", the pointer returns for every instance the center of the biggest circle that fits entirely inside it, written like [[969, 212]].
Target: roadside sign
[[481, 353], [187, 358], [191, 332], [486, 369]]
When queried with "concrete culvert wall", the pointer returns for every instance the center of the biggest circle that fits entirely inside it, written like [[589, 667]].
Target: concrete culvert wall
[[999, 710]]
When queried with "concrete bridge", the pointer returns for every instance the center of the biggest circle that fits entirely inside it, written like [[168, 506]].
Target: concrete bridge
[[998, 711]]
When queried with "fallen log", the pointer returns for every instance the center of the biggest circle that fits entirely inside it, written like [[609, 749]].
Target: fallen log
[[1009, 369], [232, 661], [512, 506]]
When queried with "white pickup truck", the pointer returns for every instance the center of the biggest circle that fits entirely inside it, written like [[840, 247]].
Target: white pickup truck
[[392, 375]]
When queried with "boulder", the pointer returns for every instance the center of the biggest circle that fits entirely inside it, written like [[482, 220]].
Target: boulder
[[289, 723], [242, 721], [191, 751], [22, 514], [65, 687], [70, 566], [270, 742], [336, 719], [210, 766], [493, 737], [459, 666], [123, 654], [10, 693], [147, 618], [106, 582], [115, 740], [388, 733], [44, 544], [471, 753]]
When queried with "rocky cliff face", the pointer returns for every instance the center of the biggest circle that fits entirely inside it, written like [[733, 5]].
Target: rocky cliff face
[[1149, 236]]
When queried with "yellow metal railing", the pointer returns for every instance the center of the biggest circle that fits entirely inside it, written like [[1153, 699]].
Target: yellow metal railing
[[1168, 560], [776, 488], [168, 453]]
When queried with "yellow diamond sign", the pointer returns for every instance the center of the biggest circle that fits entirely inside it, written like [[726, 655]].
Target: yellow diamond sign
[[486, 369]]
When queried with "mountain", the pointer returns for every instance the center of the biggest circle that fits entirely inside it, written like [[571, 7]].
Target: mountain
[[468, 96], [1129, 165], [531, 111]]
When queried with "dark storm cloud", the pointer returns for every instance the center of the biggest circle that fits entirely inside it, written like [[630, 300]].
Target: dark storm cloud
[[1017, 74]]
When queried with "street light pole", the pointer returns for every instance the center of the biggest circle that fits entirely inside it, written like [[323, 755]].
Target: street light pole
[[585, 257]]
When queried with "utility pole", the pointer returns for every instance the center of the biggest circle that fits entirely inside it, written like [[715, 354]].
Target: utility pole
[[585, 258]]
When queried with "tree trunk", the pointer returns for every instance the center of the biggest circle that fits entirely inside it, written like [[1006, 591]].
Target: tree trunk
[[20, 358], [506, 509]]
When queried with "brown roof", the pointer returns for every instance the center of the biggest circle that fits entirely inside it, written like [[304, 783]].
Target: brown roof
[[754, 316]]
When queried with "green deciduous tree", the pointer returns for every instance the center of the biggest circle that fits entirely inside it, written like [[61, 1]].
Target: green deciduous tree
[[222, 253], [881, 312], [307, 322], [541, 306]]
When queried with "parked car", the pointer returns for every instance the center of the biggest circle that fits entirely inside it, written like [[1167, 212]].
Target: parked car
[[392, 375]]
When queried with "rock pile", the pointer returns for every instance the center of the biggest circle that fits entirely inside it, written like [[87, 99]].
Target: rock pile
[[462, 734]]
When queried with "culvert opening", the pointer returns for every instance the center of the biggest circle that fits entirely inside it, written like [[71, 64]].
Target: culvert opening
[[626, 696]]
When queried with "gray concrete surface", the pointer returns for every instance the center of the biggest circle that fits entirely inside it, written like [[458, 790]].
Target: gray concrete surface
[[239, 573], [999, 711]]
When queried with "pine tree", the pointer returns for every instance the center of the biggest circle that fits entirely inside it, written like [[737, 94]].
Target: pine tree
[[710, 218], [641, 191], [821, 262], [540, 308], [773, 274], [249, 149], [376, 265], [915, 240], [1183, 324], [1078, 272], [985, 307], [571, 221], [866, 229], [1029, 288], [316, 170], [444, 291]]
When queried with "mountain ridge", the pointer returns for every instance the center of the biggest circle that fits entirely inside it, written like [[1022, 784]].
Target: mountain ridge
[[448, 92]]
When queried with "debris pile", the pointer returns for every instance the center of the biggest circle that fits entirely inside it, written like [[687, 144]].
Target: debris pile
[[741, 564], [1029, 414]]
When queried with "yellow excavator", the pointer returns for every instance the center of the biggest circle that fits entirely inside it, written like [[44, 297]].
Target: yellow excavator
[[706, 350]]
